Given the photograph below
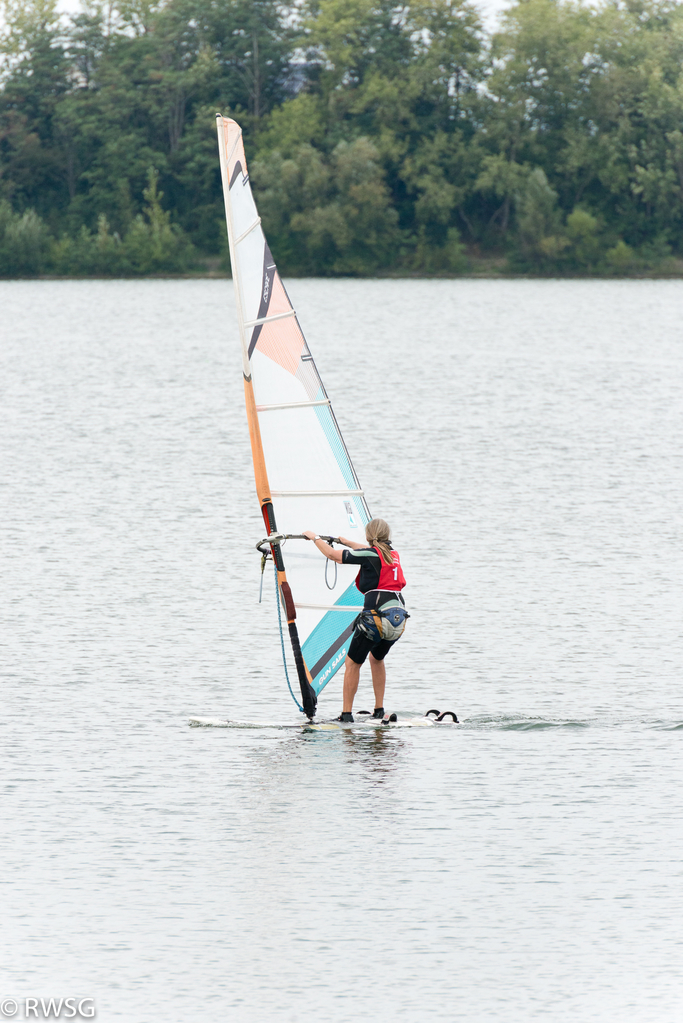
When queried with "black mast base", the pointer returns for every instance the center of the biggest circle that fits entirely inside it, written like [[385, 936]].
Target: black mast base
[[309, 700], [308, 695]]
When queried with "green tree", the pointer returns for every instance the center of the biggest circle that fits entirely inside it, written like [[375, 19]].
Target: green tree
[[153, 244], [24, 242], [539, 220], [328, 216], [35, 77]]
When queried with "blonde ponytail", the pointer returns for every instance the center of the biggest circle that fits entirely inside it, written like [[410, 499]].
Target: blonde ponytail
[[377, 533]]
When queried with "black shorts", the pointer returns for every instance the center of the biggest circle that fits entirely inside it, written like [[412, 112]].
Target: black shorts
[[361, 645]]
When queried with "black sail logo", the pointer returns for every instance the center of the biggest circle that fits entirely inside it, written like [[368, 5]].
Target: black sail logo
[[269, 269]]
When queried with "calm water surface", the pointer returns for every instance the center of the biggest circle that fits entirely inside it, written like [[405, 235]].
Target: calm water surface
[[524, 439]]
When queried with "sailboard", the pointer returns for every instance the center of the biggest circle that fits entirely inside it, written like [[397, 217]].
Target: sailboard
[[303, 473], [362, 724]]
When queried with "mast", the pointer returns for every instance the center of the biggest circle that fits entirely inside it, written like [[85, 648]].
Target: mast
[[308, 694]]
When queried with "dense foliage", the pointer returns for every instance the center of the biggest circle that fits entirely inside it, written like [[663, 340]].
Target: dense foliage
[[381, 137]]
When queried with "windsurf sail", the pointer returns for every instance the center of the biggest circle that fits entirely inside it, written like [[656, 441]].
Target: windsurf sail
[[304, 476]]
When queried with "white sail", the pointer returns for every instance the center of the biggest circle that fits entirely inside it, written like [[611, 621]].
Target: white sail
[[304, 476]]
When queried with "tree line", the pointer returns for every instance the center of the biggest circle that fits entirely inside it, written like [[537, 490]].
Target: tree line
[[382, 137]]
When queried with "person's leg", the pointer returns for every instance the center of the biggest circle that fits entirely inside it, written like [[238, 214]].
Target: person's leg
[[351, 677], [379, 679]]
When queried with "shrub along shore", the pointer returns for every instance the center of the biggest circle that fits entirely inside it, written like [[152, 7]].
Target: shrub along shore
[[383, 139]]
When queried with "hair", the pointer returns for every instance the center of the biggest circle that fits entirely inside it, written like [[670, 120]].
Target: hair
[[378, 533]]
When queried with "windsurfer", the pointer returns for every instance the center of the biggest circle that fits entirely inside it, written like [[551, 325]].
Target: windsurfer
[[381, 579]]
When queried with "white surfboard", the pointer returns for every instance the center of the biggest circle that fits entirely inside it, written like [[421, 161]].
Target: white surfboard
[[316, 726]]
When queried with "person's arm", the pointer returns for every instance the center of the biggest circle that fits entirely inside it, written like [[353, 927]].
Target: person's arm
[[322, 546], [352, 544]]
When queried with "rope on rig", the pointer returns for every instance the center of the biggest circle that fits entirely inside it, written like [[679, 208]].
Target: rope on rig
[[282, 640]]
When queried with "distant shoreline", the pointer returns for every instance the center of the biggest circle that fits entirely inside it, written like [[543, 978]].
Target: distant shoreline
[[479, 268], [477, 275]]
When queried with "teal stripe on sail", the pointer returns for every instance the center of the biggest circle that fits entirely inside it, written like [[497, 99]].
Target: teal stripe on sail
[[335, 662], [329, 425], [325, 649]]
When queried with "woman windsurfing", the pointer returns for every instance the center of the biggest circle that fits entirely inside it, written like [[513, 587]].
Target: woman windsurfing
[[382, 621]]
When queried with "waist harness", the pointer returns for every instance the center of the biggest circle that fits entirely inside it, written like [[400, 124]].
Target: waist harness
[[387, 623]]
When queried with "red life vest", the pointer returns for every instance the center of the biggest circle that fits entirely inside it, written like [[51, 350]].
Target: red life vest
[[390, 576]]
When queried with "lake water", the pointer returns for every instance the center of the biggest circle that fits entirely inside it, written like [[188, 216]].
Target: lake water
[[524, 440]]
